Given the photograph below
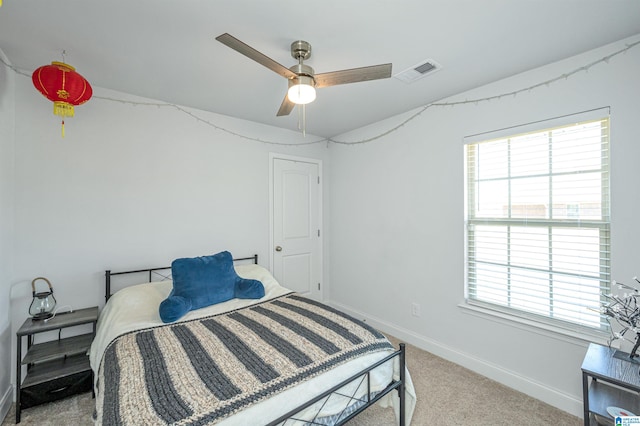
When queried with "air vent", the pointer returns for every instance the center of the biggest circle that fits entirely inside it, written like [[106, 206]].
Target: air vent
[[418, 71]]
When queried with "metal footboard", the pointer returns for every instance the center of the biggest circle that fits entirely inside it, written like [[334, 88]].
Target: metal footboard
[[368, 400]]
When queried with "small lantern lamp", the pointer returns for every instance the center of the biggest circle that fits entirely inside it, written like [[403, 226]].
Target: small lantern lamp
[[43, 302]]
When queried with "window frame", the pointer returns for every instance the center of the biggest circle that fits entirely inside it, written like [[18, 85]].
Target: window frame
[[596, 333]]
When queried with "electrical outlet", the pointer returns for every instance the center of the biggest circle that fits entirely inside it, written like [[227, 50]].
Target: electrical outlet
[[415, 309]]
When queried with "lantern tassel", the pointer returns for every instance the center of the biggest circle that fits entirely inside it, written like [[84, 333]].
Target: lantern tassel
[[63, 109]]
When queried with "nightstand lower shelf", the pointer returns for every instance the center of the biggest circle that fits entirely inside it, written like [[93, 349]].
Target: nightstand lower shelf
[[58, 348], [55, 369], [602, 395]]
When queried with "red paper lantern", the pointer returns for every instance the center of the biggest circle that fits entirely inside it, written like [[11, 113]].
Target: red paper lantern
[[61, 84]]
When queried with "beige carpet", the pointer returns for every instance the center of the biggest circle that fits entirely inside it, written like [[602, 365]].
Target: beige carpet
[[447, 394]]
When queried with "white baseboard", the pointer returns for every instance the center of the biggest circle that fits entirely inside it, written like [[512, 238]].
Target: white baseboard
[[570, 403], [5, 402]]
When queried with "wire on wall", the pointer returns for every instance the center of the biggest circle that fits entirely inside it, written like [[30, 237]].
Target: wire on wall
[[207, 122], [513, 93], [547, 83]]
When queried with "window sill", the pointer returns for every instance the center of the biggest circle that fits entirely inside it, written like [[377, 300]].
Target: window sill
[[539, 327]]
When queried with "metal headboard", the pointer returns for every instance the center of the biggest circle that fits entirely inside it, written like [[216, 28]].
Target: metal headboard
[[108, 274]]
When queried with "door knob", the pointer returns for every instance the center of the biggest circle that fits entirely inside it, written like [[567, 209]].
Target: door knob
[[278, 248]]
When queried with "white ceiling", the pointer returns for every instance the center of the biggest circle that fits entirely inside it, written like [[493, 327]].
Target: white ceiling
[[166, 50]]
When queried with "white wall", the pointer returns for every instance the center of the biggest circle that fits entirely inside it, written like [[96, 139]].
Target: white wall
[[132, 187], [7, 89], [397, 217]]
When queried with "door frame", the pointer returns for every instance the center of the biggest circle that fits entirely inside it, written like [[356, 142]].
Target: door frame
[[275, 156]]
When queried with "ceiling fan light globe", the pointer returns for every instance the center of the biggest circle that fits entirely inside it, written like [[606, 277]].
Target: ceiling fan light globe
[[301, 94], [301, 90]]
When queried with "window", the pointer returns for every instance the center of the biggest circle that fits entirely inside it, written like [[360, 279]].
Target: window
[[537, 223]]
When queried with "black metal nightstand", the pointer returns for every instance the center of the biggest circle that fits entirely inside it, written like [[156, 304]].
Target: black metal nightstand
[[58, 368], [615, 382]]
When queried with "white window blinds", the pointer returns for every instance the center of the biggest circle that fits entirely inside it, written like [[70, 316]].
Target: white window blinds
[[537, 223]]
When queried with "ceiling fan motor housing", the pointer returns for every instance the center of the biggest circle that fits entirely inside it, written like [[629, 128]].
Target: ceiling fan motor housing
[[302, 70]]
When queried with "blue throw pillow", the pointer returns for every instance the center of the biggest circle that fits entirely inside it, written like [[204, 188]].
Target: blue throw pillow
[[204, 281]]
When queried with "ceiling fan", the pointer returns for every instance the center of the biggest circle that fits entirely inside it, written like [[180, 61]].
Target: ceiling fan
[[302, 79]]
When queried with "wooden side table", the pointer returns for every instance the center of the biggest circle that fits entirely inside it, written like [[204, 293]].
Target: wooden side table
[[615, 381], [58, 368]]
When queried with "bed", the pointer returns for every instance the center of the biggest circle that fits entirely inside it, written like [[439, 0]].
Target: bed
[[281, 359]]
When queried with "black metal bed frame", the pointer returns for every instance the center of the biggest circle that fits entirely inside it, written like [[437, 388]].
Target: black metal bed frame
[[398, 385], [108, 274]]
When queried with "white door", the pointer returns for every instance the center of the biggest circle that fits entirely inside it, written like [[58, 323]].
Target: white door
[[297, 241]]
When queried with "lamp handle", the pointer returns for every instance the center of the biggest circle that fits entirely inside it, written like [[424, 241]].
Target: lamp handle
[[33, 284]]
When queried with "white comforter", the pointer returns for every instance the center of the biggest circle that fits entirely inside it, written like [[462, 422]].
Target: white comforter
[[136, 307]]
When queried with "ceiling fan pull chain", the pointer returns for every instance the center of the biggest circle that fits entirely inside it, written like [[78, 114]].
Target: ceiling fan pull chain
[[304, 120]]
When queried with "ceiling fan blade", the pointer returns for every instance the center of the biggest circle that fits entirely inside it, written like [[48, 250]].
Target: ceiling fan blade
[[251, 53], [286, 107], [353, 75]]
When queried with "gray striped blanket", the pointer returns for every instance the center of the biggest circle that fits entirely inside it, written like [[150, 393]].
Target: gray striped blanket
[[204, 370]]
